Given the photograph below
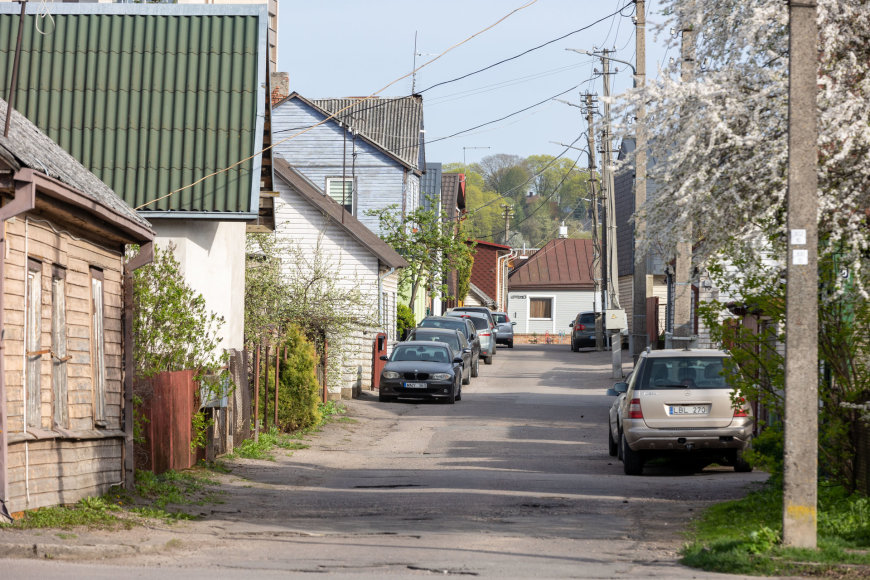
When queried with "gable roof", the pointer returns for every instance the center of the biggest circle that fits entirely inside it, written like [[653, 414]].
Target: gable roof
[[392, 124], [28, 147], [150, 98], [381, 249], [561, 264], [453, 193]]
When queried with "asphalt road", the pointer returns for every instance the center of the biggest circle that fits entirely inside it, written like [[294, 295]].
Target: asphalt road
[[513, 481]]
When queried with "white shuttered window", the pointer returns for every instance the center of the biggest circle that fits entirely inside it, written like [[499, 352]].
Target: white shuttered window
[[341, 190]]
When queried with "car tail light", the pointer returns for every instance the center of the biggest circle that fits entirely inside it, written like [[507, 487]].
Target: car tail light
[[581, 327], [741, 410], [634, 410]]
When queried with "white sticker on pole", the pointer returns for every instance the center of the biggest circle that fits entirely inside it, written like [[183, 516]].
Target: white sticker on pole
[[798, 238], [800, 257]]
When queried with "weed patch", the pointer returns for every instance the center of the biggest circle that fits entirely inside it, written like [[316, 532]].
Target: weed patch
[[744, 537]]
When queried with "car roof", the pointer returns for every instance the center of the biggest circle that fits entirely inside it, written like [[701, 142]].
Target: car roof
[[429, 330], [422, 343], [685, 353], [463, 313]]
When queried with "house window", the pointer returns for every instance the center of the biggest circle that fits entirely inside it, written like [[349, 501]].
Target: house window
[[341, 190], [34, 348], [98, 348], [58, 346], [541, 308]]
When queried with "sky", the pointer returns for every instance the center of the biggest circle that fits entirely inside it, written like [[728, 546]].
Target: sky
[[349, 48]]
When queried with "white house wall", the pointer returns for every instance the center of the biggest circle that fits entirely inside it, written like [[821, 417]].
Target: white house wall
[[380, 181], [566, 305], [212, 259], [303, 224]]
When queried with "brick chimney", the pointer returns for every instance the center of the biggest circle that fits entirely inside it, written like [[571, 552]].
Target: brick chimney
[[280, 86]]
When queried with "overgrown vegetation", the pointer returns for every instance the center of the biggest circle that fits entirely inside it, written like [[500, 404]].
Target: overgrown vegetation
[[156, 496], [743, 537], [404, 319]]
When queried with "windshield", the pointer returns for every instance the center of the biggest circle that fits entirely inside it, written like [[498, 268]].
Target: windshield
[[683, 372], [433, 353], [442, 323], [450, 338]]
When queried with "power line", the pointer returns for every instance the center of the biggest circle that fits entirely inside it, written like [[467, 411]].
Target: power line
[[564, 36]]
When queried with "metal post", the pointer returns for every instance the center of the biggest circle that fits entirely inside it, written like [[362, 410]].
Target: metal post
[[277, 372], [597, 263], [257, 394], [266, 390], [639, 313], [800, 486]]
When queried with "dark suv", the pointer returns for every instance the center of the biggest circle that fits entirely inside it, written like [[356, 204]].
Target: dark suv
[[583, 330], [463, 325]]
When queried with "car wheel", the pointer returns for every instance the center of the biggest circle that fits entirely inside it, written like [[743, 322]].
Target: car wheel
[[510, 344], [632, 461], [618, 446], [475, 367], [574, 347], [452, 398], [466, 379], [612, 446], [488, 360], [459, 394], [383, 398], [740, 464]]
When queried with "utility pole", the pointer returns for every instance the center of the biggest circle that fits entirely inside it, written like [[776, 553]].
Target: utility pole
[[508, 213], [612, 263], [639, 313], [800, 485], [596, 237], [684, 329]]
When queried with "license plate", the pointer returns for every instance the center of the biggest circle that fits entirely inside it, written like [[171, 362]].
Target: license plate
[[416, 385], [689, 410]]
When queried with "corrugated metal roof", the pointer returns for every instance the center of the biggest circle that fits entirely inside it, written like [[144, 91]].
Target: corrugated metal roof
[[27, 146], [394, 123], [150, 98], [561, 263]]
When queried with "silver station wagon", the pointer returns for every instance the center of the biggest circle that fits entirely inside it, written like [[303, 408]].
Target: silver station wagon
[[679, 402]]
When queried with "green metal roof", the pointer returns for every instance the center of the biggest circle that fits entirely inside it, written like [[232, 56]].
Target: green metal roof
[[150, 98]]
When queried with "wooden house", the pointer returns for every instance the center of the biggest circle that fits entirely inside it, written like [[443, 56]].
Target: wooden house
[[549, 288], [65, 296], [319, 226]]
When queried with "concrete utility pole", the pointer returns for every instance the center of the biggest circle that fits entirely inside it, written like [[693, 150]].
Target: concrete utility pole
[[612, 263], [639, 313], [800, 486], [597, 265], [684, 328]]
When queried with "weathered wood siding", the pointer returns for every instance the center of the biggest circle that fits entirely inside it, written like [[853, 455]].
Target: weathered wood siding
[[312, 233], [380, 181], [51, 245]]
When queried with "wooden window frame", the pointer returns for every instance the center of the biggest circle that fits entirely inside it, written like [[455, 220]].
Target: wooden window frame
[[98, 345], [349, 206], [33, 344], [541, 299], [59, 347]]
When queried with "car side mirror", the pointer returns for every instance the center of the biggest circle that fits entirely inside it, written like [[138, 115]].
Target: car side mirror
[[617, 389], [458, 360], [571, 324], [384, 357], [513, 323], [466, 350]]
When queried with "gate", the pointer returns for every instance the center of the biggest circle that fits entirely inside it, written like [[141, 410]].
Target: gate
[[379, 349]]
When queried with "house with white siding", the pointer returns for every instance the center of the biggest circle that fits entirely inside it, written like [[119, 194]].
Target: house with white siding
[[547, 290], [315, 223], [366, 154]]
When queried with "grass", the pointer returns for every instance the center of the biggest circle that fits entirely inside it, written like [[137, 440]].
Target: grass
[[744, 537], [152, 498]]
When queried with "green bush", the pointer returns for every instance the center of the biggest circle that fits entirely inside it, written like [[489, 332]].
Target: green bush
[[298, 389], [404, 320]]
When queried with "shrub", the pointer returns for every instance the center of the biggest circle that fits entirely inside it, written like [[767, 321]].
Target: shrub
[[298, 389]]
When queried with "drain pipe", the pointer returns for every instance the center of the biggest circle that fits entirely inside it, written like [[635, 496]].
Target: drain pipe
[[381, 305], [24, 200]]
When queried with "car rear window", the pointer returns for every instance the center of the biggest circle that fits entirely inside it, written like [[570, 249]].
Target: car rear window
[[500, 318], [682, 372], [587, 318]]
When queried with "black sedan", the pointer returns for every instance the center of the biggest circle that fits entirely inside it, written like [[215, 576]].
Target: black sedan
[[421, 370]]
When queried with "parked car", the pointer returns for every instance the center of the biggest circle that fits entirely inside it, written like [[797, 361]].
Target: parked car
[[679, 402], [465, 326], [482, 310], [504, 328], [484, 329], [421, 370], [455, 340], [583, 330]]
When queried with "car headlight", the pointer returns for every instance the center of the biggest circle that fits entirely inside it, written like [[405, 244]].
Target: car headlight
[[442, 376], [391, 375]]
